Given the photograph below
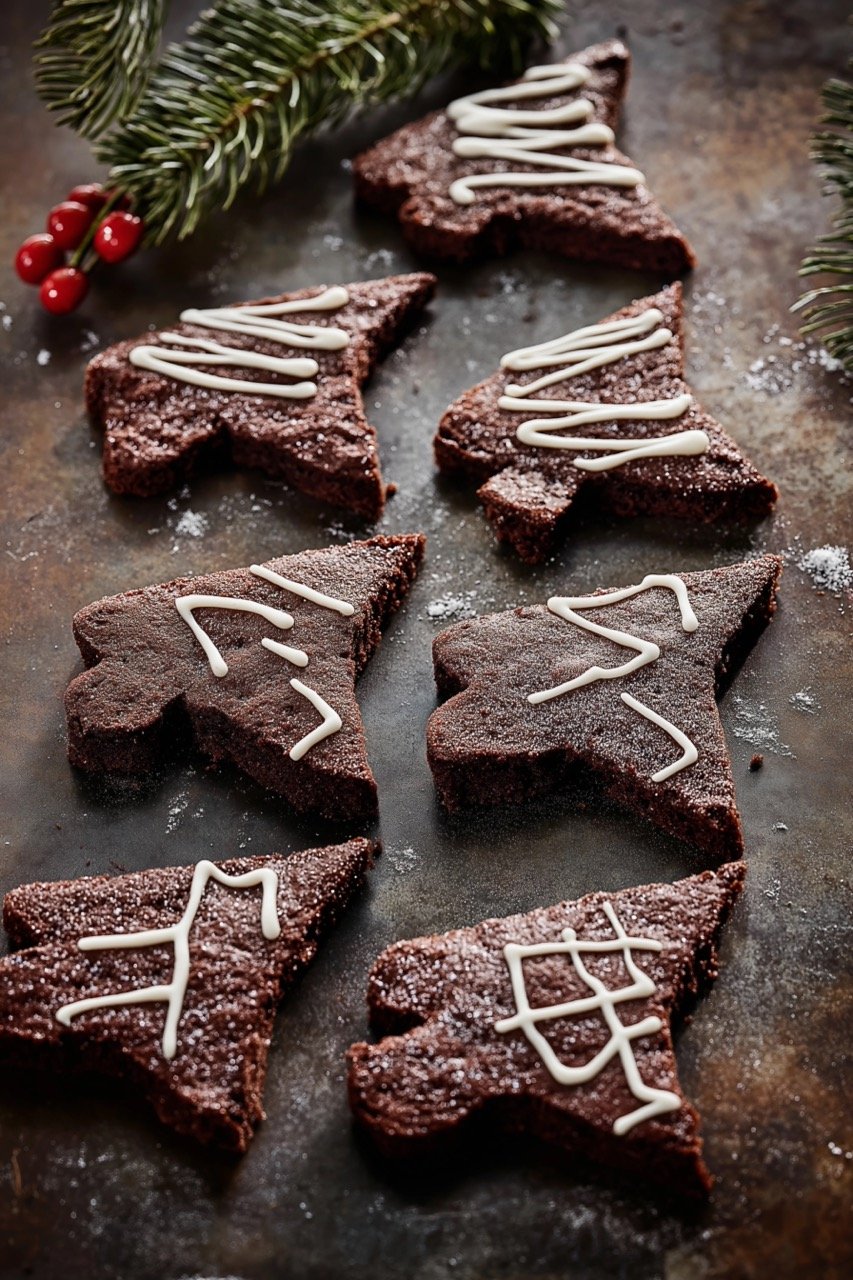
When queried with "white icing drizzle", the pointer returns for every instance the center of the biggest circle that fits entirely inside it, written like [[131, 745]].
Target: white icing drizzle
[[578, 352], [604, 1001], [307, 593], [174, 361], [177, 936], [332, 722], [588, 348], [690, 756], [298, 657], [529, 137], [185, 605], [646, 651]]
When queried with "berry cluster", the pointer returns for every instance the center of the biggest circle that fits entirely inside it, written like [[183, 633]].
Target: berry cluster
[[91, 224]]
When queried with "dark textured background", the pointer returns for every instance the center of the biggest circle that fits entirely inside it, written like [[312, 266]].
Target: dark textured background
[[718, 115]]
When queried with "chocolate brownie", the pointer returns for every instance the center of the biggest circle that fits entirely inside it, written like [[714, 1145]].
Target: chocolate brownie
[[530, 1026], [307, 426], [446, 212], [530, 474], [197, 997], [259, 664], [618, 687]]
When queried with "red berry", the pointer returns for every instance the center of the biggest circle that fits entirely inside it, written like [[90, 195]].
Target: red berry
[[36, 257], [68, 223], [118, 236], [91, 194], [63, 290]]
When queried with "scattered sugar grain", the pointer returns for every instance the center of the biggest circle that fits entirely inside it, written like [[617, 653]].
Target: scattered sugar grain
[[775, 373], [753, 724], [804, 700], [452, 608], [176, 808], [379, 258], [828, 567], [401, 860], [192, 524]]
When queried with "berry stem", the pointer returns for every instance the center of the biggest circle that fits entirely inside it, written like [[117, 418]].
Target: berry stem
[[85, 244]]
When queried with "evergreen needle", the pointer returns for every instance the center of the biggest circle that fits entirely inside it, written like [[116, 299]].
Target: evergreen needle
[[225, 107], [94, 57], [828, 309]]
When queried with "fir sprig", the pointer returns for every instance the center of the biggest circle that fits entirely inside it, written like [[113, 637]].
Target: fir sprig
[[94, 57], [828, 310], [225, 107]]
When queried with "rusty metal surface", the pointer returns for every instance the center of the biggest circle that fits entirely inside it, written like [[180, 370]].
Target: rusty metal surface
[[718, 115]]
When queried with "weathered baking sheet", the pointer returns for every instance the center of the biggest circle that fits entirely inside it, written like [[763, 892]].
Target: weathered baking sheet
[[722, 99]]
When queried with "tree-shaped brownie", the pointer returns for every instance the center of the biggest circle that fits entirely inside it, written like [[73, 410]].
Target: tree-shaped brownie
[[259, 663], [555, 1025], [600, 417], [274, 384], [532, 163], [619, 686], [170, 978]]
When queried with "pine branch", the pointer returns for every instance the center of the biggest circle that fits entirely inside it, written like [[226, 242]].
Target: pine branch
[[94, 57], [829, 309], [225, 107]]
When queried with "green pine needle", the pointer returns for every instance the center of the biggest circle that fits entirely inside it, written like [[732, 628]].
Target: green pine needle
[[94, 57], [828, 310], [225, 107]]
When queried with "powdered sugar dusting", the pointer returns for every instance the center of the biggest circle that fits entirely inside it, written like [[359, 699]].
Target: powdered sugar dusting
[[402, 860], [804, 700], [776, 372], [192, 524], [452, 608], [754, 724], [177, 808], [828, 567]]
